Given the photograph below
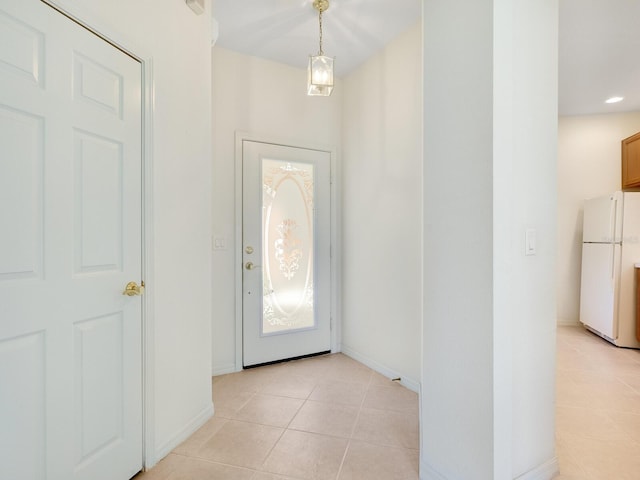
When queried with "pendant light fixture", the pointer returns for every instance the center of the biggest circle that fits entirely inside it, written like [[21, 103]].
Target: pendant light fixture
[[320, 81]]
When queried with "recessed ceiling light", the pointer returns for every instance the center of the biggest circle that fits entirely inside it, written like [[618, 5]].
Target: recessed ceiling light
[[614, 100]]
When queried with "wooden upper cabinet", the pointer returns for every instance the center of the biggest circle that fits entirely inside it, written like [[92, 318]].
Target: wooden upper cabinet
[[631, 162]]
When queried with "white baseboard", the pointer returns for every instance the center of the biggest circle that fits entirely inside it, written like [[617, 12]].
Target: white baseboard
[[410, 383], [223, 369], [176, 439], [546, 471]]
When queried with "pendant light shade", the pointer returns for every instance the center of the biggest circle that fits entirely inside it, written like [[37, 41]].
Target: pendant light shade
[[320, 75]]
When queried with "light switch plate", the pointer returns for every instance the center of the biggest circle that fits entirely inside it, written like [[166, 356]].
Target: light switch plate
[[530, 241], [219, 242]]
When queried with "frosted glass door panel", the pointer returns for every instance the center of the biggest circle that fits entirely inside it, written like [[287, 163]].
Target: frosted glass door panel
[[287, 246]]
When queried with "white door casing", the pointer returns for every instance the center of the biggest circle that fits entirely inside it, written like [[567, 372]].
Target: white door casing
[[269, 262], [71, 220]]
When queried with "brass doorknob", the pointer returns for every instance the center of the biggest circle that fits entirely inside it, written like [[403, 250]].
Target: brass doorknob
[[132, 289], [250, 266]]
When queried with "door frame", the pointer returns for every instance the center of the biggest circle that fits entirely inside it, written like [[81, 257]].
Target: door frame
[[334, 249], [147, 95]]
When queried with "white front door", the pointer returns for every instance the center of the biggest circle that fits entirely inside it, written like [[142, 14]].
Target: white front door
[[286, 252], [70, 240]]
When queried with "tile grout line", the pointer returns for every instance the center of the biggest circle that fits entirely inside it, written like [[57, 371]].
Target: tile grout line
[[355, 424], [284, 430], [258, 391]]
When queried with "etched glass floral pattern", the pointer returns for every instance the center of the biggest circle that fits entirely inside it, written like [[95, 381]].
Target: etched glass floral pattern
[[287, 246]]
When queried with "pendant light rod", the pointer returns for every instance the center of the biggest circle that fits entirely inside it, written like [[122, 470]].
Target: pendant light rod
[[320, 25], [321, 6]]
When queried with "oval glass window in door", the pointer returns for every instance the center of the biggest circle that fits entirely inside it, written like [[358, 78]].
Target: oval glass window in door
[[287, 246]]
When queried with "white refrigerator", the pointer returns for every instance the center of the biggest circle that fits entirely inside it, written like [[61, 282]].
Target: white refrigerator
[[610, 250]]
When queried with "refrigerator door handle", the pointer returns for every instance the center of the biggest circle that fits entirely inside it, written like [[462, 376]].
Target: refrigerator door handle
[[614, 239], [614, 214]]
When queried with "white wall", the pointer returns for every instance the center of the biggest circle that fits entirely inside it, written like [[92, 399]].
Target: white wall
[[382, 205], [589, 164], [489, 174], [457, 384], [525, 186], [179, 282], [262, 98]]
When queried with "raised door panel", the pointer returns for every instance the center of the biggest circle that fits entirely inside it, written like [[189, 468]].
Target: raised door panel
[[97, 85], [98, 384], [22, 406], [21, 194], [21, 50], [98, 203]]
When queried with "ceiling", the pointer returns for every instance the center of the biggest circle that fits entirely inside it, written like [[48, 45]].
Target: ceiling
[[599, 56], [287, 30], [599, 42]]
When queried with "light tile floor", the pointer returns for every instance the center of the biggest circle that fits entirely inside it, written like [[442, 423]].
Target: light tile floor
[[323, 418], [597, 408], [331, 418]]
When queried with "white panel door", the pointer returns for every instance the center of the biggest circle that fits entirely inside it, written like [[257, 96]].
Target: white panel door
[[286, 262], [70, 220], [598, 287]]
